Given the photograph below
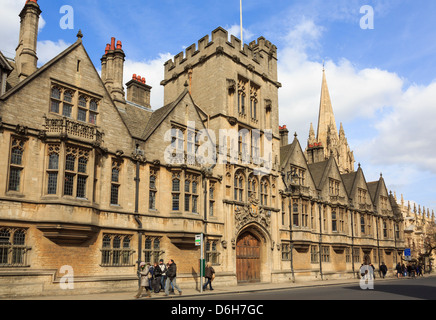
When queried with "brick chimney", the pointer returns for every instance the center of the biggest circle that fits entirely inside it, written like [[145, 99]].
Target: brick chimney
[[138, 91], [284, 133], [26, 58], [112, 69]]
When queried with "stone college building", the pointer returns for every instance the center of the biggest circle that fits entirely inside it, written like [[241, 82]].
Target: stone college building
[[93, 180]]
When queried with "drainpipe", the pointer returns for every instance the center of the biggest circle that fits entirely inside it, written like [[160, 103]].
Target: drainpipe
[[291, 239], [320, 241], [352, 241], [288, 194], [137, 216]]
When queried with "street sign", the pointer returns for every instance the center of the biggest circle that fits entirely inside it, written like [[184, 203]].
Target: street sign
[[198, 240], [407, 252]]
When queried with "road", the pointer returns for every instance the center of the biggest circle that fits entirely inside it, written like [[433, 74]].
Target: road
[[395, 289]]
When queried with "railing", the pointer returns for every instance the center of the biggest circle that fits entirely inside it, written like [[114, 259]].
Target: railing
[[74, 128]]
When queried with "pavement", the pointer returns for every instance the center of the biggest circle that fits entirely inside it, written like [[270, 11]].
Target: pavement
[[218, 290]]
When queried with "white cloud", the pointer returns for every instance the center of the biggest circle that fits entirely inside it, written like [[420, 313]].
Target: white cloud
[[10, 25], [235, 30], [396, 119], [48, 49]]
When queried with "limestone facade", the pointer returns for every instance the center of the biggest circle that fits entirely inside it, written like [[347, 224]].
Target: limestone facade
[[95, 181]]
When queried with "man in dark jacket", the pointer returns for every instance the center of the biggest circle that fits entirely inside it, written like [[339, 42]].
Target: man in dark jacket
[[171, 278]]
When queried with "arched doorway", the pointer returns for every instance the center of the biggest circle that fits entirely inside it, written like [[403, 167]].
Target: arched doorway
[[248, 260]]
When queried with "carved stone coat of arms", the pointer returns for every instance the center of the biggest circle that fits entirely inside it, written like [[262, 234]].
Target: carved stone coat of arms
[[251, 212]]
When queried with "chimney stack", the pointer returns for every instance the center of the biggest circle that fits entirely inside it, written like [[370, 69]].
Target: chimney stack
[[284, 133], [112, 69], [138, 91], [26, 58]]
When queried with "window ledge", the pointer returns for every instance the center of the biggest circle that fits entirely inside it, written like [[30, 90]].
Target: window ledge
[[16, 194]]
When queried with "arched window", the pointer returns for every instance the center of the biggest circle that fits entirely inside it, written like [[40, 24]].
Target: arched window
[[252, 186], [16, 164], [239, 187], [264, 188], [175, 194]]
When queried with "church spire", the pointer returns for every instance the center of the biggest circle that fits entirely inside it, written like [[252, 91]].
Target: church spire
[[326, 118]]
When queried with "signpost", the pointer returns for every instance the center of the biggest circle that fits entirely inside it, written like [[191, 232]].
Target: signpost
[[199, 243], [408, 254]]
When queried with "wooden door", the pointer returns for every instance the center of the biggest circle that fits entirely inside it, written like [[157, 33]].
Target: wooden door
[[248, 258]]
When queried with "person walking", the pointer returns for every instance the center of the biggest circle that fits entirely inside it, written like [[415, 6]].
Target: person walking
[[163, 278], [383, 269], [144, 281], [209, 275], [156, 278], [398, 268], [171, 278]]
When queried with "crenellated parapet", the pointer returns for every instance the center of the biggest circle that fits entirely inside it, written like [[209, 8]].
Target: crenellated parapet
[[259, 56]]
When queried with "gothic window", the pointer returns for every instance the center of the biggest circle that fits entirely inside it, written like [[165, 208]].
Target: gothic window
[[362, 224], [334, 187], [53, 168], [212, 254], [252, 186], [264, 186], [348, 255], [177, 139], [16, 166], [76, 173], [13, 250], [243, 145], [286, 252], [153, 190], [304, 214], [356, 254], [176, 192], [116, 251], [242, 95], [255, 147], [55, 101], [254, 91], [239, 187], [115, 183], [325, 254], [361, 195], [62, 102], [295, 214], [67, 107], [152, 250], [187, 194], [211, 199], [194, 196], [334, 221], [385, 229], [314, 254], [283, 213]]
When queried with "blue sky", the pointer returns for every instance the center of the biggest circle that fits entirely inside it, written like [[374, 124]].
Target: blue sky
[[382, 81]]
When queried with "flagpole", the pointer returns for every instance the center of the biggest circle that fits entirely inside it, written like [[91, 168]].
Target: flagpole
[[242, 39]]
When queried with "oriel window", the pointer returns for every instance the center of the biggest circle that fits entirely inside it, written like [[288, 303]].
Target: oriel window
[[53, 169]]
